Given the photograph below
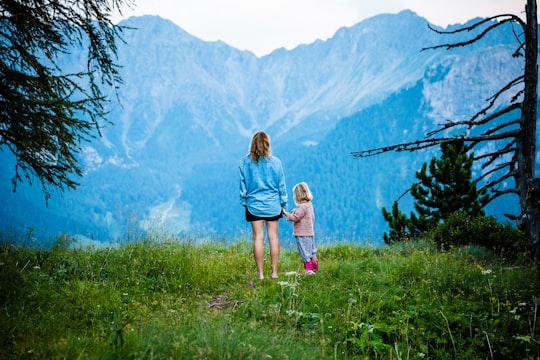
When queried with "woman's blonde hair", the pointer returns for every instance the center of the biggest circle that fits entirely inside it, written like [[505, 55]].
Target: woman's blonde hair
[[302, 193], [260, 146]]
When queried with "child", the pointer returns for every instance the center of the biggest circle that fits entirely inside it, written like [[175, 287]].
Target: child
[[303, 218]]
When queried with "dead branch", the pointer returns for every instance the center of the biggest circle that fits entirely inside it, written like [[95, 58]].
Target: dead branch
[[426, 143], [501, 126], [498, 193], [491, 184], [494, 155], [494, 170], [507, 18], [472, 121]]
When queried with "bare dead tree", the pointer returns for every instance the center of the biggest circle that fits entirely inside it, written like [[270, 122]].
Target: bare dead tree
[[514, 155]]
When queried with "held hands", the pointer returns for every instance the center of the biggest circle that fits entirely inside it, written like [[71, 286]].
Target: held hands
[[287, 214]]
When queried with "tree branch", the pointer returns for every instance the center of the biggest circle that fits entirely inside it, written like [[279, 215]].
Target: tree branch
[[511, 18], [426, 143], [472, 121], [495, 169], [498, 193]]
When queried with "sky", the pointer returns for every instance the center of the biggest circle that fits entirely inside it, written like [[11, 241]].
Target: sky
[[262, 26]]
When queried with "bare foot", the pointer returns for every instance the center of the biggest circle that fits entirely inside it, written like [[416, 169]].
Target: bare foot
[[274, 276], [261, 277]]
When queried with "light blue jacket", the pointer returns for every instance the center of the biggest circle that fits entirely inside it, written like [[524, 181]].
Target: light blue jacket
[[262, 186]]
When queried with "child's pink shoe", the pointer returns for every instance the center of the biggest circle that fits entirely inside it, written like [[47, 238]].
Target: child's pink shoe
[[308, 268]]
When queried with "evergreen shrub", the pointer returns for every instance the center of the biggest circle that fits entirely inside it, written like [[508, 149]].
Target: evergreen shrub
[[462, 229]]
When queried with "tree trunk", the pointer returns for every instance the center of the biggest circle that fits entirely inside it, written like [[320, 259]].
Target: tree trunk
[[528, 186]]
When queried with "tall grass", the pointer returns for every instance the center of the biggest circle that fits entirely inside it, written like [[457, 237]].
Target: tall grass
[[183, 299]]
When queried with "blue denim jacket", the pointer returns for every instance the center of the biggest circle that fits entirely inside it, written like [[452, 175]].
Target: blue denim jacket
[[262, 186]]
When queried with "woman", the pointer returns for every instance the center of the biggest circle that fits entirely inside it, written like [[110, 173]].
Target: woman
[[263, 193]]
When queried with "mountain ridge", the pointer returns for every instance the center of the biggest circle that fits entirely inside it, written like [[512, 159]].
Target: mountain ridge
[[189, 107]]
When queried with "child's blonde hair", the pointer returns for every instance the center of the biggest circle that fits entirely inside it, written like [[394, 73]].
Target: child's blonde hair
[[302, 193]]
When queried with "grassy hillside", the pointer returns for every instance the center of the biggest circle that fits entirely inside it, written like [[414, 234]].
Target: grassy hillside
[[183, 299]]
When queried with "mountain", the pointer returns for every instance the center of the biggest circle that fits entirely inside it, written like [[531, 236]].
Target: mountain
[[184, 116]]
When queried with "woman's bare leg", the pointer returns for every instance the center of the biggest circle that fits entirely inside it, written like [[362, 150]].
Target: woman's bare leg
[[257, 229], [272, 232]]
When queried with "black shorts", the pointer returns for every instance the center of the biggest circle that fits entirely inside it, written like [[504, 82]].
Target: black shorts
[[250, 217]]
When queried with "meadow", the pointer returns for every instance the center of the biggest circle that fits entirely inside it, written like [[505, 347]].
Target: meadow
[[172, 298]]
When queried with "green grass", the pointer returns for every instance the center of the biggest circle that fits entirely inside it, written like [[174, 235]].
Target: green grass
[[183, 299]]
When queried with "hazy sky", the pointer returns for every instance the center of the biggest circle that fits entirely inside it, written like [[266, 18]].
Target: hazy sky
[[265, 25]]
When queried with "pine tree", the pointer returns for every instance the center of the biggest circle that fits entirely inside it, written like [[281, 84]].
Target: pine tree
[[400, 225], [45, 112], [516, 137], [447, 188]]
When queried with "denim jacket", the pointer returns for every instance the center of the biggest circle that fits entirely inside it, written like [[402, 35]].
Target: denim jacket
[[262, 186]]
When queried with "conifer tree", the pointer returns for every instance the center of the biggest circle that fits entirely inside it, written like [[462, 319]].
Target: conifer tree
[[400, 225], [45, 110], [514, 136], [447, 188]]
